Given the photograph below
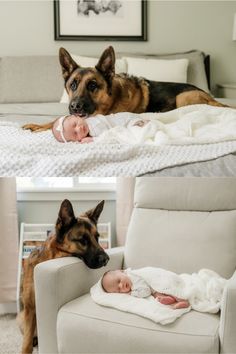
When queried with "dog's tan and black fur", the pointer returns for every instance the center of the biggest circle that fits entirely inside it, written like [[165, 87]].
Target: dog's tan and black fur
[[73, 237], [99, 90]]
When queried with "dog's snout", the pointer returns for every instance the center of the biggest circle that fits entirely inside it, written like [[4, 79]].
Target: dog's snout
[[82, 106], [102, 259], [76, 105]]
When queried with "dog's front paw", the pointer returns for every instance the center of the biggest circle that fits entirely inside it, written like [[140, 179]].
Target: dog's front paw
[[32, 127], [38, 127]]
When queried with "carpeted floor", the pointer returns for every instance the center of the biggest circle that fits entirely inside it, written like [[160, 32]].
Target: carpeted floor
[[10, 335]]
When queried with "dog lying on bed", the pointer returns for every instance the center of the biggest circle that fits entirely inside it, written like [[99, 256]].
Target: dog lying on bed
[[99, 90]]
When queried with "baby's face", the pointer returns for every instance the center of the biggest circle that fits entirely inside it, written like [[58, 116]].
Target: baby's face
[[116, 282], [75, 128]]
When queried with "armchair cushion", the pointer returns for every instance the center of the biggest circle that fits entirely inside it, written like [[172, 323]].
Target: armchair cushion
[[81, 322], [184, 226]]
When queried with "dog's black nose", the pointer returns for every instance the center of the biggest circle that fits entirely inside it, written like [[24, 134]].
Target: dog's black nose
[[102, 259], [76, 106], [98, 260]]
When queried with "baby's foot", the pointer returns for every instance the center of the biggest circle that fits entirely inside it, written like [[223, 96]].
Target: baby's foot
[[166, 300], [180, 304]]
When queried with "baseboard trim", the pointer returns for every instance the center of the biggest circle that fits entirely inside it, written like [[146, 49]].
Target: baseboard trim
[[8, 307]]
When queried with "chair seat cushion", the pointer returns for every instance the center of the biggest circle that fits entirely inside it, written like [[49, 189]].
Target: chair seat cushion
[[83, 326]]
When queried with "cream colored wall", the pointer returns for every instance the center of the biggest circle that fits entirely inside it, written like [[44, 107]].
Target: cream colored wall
[[26, 28], [46, 211]]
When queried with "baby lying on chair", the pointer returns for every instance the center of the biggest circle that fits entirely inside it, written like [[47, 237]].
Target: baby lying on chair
[[118, 281], [74, 128]]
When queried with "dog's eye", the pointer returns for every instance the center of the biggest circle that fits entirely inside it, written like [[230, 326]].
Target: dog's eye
[[74, 85], [92, 86], [83, 241]]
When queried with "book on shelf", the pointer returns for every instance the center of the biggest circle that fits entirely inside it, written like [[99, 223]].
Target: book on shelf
[[104, 230]]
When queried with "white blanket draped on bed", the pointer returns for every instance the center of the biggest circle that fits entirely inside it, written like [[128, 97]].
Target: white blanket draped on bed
[[23, 153], [203, 290]]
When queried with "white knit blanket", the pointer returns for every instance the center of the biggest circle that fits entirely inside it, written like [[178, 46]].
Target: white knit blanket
[[23, 153], [203, 290]]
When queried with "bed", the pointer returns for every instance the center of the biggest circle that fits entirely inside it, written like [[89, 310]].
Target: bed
[[31, 90]]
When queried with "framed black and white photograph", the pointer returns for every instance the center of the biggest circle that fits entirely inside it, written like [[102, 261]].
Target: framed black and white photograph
[[121, 20]]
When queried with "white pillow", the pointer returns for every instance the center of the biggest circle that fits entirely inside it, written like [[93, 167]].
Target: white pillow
[[158, 69], [120, 67]]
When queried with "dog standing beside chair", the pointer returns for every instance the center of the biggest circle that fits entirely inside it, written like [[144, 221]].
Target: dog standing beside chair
[[73, 237]]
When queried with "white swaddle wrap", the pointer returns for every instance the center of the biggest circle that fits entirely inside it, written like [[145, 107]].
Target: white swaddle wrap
[[203, 290], [196, 124]]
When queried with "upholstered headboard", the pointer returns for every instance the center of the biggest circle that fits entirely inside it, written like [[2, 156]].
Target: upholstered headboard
[[39, 79]]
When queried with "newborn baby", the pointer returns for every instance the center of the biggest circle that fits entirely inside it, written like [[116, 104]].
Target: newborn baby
[[71, 128], [74, 128], [118, 281]]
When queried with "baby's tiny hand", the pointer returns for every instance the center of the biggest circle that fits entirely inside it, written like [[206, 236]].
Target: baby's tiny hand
[[141, 123], [87, 140]]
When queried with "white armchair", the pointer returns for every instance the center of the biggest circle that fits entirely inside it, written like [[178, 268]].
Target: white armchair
[[180, 224]]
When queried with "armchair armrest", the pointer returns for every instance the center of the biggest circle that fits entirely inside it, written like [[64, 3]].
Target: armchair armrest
[[228, 317], [59, 281]]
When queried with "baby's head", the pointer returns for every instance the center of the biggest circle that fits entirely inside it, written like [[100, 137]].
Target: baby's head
[[116, 281], [70, 128]]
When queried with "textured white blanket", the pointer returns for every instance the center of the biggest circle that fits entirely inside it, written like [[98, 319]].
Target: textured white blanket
[[23, 153], [203, 290]]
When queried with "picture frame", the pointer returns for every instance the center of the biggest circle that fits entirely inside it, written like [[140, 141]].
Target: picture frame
[[100, 20]]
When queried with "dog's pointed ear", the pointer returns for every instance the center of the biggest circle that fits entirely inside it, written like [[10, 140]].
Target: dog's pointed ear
[[67, 63], [93, 214], [106, 63], [65, 218]]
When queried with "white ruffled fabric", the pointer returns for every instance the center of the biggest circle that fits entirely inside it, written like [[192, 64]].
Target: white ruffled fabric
[[203, 290], [196, 124]]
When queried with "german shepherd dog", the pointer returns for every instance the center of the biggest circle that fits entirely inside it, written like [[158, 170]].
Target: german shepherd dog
[[73, 237], [99, 90]]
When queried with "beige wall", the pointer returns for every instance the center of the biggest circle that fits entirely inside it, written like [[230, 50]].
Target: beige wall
[[46, 211], [26, 28]]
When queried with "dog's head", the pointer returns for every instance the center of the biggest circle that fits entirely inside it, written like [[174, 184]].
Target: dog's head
[[79, 235], [89, 89]]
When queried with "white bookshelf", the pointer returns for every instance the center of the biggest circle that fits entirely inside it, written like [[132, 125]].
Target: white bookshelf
[[32, 235], [104, 229]]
